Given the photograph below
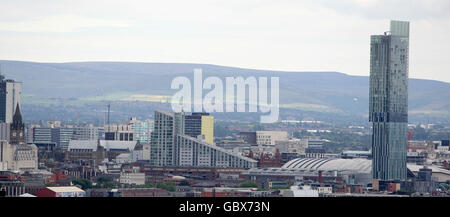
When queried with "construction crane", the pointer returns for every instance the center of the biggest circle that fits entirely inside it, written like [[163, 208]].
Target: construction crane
[[107, 112]]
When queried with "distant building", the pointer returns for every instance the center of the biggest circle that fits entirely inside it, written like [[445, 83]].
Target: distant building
[[46, 135], [270, 137], [297, 146], [193, 152], [120, 132], [88, 151], [171, 146], [356, 154], [70, 191], [388, 101], [95, 151], [13, 132], [264, 137], [167, 125], [142, 130], [200, 124], [315, 152], [132, 177], [20, 157], [300, 191], [315, 148], [17, 128], [10, 98], [85, 133]]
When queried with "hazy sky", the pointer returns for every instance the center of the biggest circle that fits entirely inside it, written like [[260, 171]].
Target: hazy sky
[[292, 35]]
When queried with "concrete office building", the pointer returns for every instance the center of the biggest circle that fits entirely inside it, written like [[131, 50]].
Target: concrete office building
[[10, 98], [264, 137], [120, 132], [388, 101], [18, 157], [85, 133], [60, 136], [270, 137], [42, 135]]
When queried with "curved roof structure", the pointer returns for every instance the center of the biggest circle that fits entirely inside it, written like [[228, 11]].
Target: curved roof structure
[[330, 164]]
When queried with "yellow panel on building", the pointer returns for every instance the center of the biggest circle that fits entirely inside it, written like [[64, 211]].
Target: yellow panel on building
[[208, 128]]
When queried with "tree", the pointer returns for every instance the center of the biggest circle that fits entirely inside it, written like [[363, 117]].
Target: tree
[[84, 183], [248, 184], [109, 185], [144, 186], [169, 186]]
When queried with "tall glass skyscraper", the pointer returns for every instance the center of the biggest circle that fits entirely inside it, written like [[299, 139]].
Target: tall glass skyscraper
[[388, 109]]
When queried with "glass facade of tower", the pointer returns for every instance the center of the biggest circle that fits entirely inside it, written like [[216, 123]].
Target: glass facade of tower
[[388, 103]]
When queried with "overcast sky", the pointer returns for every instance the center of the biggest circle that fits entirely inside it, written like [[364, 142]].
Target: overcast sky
[[291, 35]]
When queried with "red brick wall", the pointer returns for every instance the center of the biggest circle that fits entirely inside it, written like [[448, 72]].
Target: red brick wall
[[45, 192]]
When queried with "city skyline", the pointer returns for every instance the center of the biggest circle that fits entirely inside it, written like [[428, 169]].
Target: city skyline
[[307, 36], [109, 129]]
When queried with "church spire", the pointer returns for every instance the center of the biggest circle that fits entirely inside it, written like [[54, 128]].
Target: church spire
[[17, 128], [17, 118]]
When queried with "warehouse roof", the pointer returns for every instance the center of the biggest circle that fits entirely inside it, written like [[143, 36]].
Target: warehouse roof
[[83, 144], [114, 144], [65, 189], [330, 164], [107, 144]]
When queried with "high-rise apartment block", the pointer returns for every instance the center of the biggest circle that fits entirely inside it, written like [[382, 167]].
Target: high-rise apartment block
[[388, 101], [172, 146], [200, 124], [163, 140], [142, 130]]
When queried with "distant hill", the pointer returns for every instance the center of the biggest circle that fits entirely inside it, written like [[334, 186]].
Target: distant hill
[[327, 92]]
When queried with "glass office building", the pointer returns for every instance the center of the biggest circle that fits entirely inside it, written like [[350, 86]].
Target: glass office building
[[388, 109]]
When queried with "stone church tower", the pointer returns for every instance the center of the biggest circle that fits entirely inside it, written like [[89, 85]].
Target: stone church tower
[[17, 131]]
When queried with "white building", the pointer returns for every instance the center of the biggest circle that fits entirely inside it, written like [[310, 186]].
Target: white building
[[142, 130], [292, 146], [85, 133], [300, 191], [270, 137], [123, 158], [193, 152], [21, 157], [325, 190], [132, 178]]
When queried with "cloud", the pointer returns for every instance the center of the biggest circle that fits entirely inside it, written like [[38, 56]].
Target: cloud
[[60, 24], [294, 35], [389, 9]]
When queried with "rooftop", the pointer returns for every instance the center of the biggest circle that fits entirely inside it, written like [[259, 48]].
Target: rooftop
[[65, 189]]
